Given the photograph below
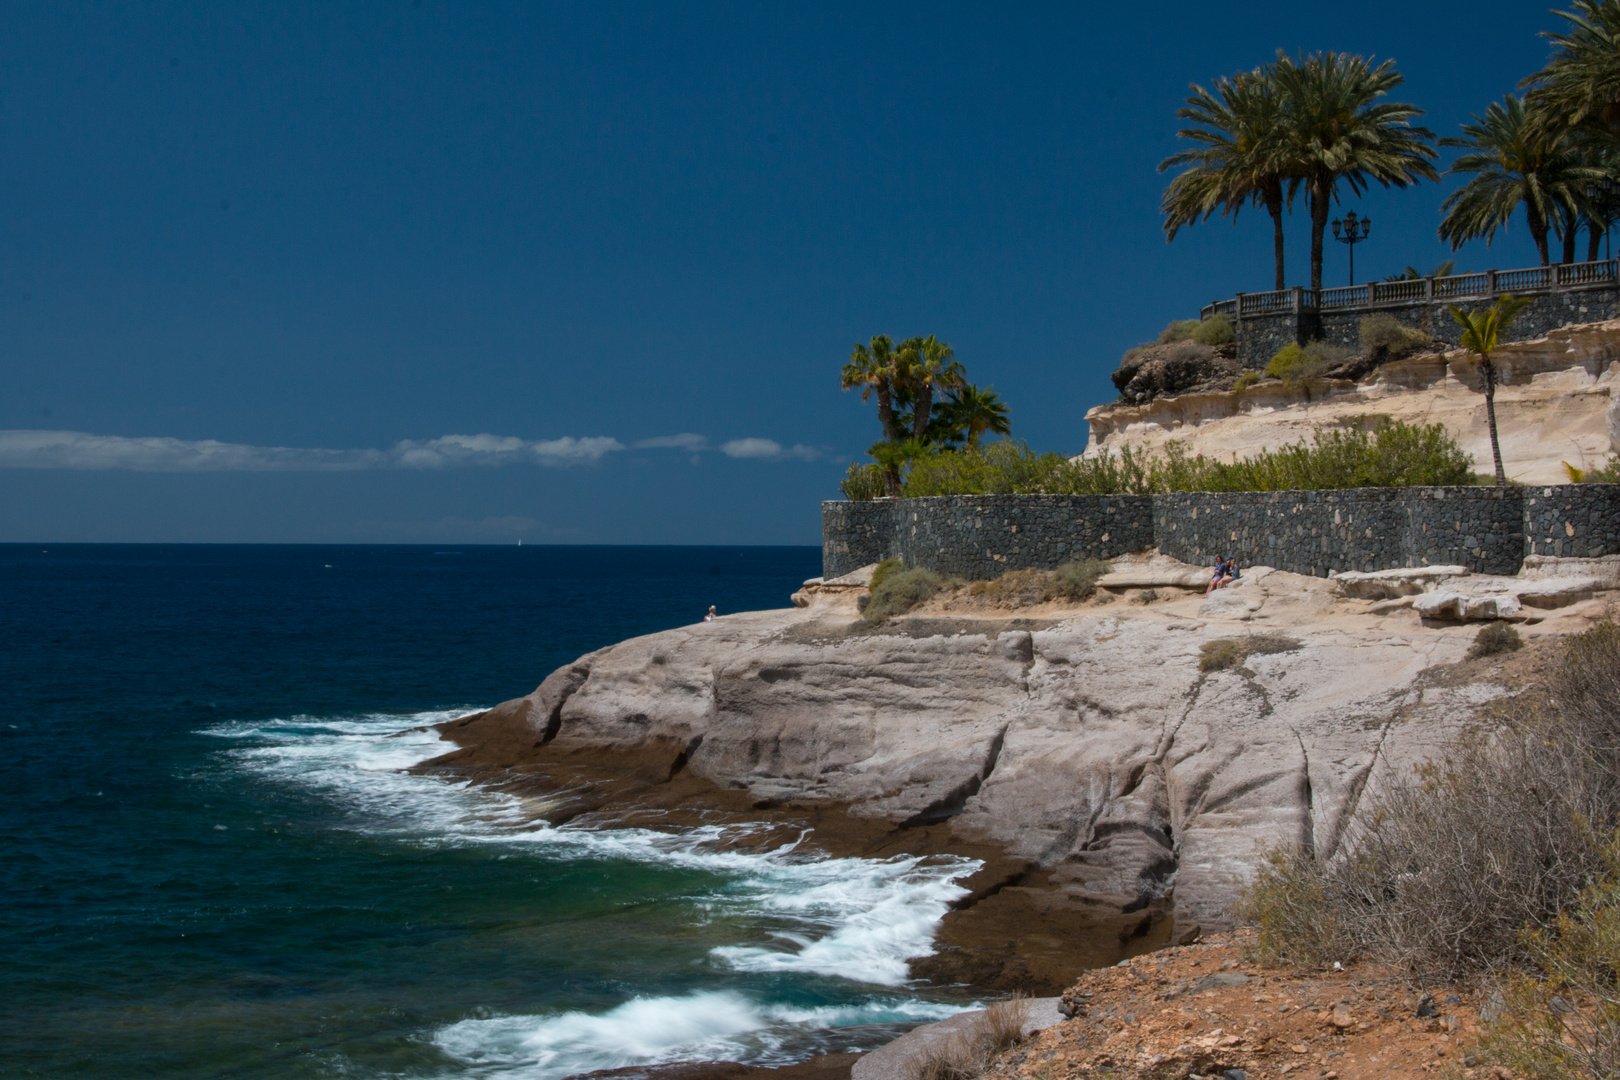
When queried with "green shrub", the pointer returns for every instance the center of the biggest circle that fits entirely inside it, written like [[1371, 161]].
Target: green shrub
[[1287, 901], [1383, 332], [899, 592], [1146, 596], [863, 483], [1003, 467], [1078, 580], [883, 571], [1393, 454], [1215, 330], [1494, 639], [1297, 364], [1608, 473], [1245, 380], [1180, 330]]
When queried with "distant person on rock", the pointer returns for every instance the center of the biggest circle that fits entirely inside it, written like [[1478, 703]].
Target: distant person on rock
[[710, 616], [1226, 572]]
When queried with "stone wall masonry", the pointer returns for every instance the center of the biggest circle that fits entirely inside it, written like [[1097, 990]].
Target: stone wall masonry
[[983, 536], [1573, 520], [1487, 529]]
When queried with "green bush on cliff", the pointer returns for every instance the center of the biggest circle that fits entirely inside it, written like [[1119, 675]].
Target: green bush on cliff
[[1078, 580], [898, 592], [863, 483], [1215, 330], [1382, 333], [1296, 365], [1393, 454]]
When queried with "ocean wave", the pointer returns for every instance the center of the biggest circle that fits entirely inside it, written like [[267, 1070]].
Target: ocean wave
[[711, 1026], [852, 918]]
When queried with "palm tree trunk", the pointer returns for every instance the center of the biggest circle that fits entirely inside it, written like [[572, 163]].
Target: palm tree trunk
[[1487, 371], [886, 410], [1594, 241], [1538, 230], [925, 405], [1273, 199], [1569, 236], [1319, 220]]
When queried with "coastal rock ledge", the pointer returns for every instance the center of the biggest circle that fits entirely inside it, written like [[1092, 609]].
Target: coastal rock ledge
[[1119, 796]]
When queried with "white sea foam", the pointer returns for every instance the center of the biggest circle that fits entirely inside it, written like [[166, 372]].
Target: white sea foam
[[851, 918], [645, 1030]]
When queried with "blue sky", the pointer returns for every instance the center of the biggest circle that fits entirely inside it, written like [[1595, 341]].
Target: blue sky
[[460, 272]]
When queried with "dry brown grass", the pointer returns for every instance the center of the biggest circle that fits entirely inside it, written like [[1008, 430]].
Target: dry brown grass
[[968, 1054], [1074, 581], [1224, 653]]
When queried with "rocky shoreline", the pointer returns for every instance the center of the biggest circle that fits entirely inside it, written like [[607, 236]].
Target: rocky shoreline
[[1116, 794]]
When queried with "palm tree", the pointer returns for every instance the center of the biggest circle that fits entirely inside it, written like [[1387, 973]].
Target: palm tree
[[1338, 130], [873, 369], [1512, 165], [981, 412], [1580, 86], [927, 365], [1600, 205], [1481, 335], [967, 415], [893, 456], [1240, 158]]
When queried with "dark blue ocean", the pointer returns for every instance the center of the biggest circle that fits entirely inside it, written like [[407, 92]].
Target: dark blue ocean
[[214, 866]]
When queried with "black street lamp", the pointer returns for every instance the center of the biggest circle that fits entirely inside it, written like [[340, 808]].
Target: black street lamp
[[1345, 231]]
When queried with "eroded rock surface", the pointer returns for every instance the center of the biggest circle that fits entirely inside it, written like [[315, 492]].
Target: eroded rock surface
[[1115, 778]]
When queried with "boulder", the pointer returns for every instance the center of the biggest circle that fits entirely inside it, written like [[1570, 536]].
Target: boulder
[[1401, 581], [1557, 592], [1604, 569], [1449, 606]]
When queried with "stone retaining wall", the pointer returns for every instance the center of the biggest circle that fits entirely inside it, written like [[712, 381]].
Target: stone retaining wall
[[1486, 529], [1572, 520]]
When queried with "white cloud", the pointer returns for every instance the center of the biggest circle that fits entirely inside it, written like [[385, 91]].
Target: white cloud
[[684, 441], [80, 450], [767, 449], [500, 450]]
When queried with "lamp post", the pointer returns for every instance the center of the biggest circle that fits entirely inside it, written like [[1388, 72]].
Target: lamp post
[[1352, 231]]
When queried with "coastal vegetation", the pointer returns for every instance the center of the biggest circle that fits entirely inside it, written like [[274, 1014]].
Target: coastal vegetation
[[1311, 124], [1482, 332], [1502, 860], [1392, 454], [897, 589], [924, 403]]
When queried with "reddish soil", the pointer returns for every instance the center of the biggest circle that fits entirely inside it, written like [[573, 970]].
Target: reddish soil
[[1205, 1009]]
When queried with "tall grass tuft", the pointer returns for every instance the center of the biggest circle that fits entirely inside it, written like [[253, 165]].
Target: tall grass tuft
[[968, 1054]]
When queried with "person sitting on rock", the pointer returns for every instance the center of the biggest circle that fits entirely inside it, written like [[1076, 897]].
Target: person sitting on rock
[[1225, 573]]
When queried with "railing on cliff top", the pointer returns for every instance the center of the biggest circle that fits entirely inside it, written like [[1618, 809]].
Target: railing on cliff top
[[1429, 290]]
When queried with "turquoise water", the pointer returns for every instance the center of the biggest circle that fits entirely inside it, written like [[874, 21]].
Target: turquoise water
[[215, 866]]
